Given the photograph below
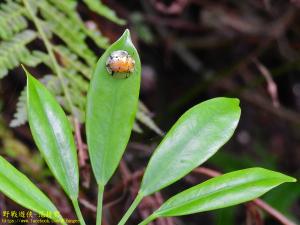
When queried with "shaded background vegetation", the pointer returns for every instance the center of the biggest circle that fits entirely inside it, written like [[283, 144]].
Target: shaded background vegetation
[[191, 50]]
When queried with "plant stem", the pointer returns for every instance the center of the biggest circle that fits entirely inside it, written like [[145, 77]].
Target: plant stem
[[49, 48], [273, 212], [78, 212], [133, 206], [99, 204], [148, 219]]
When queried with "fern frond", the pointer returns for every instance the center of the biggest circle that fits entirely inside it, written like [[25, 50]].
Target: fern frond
[[76, 87], [14, 52], [68, 8], [53, 84], [76, 81], [71, 61], [137, 128], [12, 19], [59, 18], [101, 9], [20, 116], [67, 31], [91, 31], [143, 116], [43, 57]]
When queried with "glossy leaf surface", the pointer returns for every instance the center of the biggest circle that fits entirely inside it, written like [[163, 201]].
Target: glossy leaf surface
[[223, 191], [111, 107], [195, 137], [52, 134], [19, 188]]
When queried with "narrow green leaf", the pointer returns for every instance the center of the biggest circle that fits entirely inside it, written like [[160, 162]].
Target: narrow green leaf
[[101, 9], [111, 107], [195, 137], [223, 191], [19, 188], [52, 134]]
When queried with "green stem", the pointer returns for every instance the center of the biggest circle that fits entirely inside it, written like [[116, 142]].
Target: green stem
[[99, 204], [148, 219], [49, 48], [78, 212], [133, 206], [60, 220]]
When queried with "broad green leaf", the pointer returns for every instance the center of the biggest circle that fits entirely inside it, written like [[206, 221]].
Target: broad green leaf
[[111, 107], [195, 137], [19, 188], [223, 191], [52, 134]]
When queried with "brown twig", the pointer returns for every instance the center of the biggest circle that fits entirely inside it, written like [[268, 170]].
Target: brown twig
[[82, 155], [175, 8], [104, 221], [88, 204], [253, 216], [206, 171], [272, 87], [273, 212], [109, 195], [261, 102], [149, 203], [160, 201]]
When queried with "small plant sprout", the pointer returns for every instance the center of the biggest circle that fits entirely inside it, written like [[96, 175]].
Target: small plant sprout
[[110, 114]]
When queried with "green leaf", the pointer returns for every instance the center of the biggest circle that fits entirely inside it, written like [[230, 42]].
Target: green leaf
[[195, 137], [223, 191], [52, 134], [101, 9], [111, 107], [19, 188]]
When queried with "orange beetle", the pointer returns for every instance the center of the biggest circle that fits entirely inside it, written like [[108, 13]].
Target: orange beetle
[[120, 62]]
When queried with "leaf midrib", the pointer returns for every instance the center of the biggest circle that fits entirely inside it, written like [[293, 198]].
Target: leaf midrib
[[112, 115], [207, 195]]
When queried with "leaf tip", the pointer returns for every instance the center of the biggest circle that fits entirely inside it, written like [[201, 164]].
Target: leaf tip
[[288, 179], [228, 100], [292, 179], [28, 75], [235, 102], [126, 37], [25, 70], [284, 178], [126, 33]]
